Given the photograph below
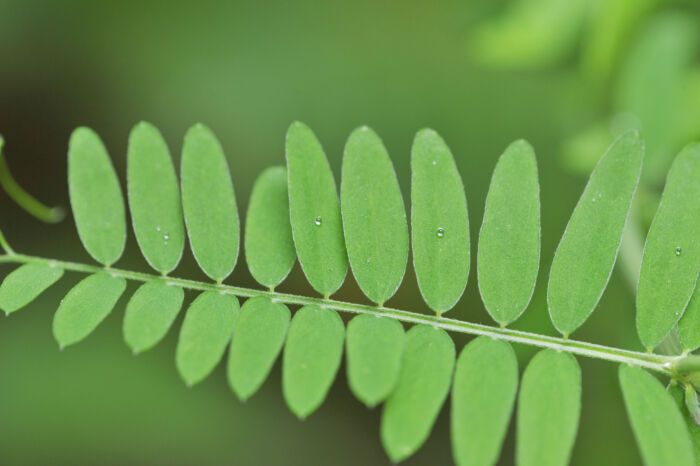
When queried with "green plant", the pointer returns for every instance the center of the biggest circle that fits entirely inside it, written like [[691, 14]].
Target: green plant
[[296, 212]]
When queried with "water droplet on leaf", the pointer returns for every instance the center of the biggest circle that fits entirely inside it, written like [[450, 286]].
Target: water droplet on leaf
[[317, 222], [440, 232], [678, 250]]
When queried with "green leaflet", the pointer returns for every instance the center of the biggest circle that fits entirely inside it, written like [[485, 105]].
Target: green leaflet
[[269, 247], [95, 196], [209, 203], [204, 335], [314, 210], [657, 423], [671, 258], [150, 313], [678, 394], [439, 222], [374, 217], [154, 198], [689, 325], [483, 394], [424, 382], [374, 347], [85, 306], [587, 251], [24, 284], [311, 358], [260, 332], [549, 407], [509, 239]]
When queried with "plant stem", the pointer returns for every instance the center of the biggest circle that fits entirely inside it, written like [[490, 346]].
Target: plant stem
[[23, 198], [5, 245], [656, 362]]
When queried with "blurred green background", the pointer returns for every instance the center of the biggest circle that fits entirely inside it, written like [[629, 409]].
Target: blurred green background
[[566, 75]]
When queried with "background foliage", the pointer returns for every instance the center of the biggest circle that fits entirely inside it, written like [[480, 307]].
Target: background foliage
[[247, 70]]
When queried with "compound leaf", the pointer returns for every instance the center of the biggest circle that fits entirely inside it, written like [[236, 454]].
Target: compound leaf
[[374, 217], [269, 247], [483, 395], [548, 410], [424, 382], [671, 259], [96, 197], [374, 348], [311, 358], [204, 335], [439, 222], [154, 198], [209, 203], [656, 421], [150, 313], [689, 325], [260, 332], [24, 284], [314, 210], [85, 306], [587, 251], [509, 240]]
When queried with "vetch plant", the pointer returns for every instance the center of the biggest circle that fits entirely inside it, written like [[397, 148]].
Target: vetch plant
[[296, 212]]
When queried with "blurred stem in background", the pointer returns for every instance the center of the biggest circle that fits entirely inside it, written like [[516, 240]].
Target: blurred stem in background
[[24, 199]]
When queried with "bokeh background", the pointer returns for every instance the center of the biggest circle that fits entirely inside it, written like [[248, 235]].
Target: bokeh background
[[568, 75]]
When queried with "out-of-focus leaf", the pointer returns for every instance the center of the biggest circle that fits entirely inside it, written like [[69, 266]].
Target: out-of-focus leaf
[[587, 251], [509, 240], [549, 408], [204, 335], [95, 196], [314, 210], [154, 198], [374, 217], [529, 34], [424, 382], [656, 421], [209, 203], [260, 332], [483, 394], [671, 258], [651, 86], [150, 313], [611, 24], [24, 284], [374, 348], [85, 306], [439, 222], [311, 358], [269, 247]]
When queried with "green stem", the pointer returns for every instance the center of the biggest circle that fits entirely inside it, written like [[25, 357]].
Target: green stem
[[5, 245], [23, 198], [664, 364], [687, 364]]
